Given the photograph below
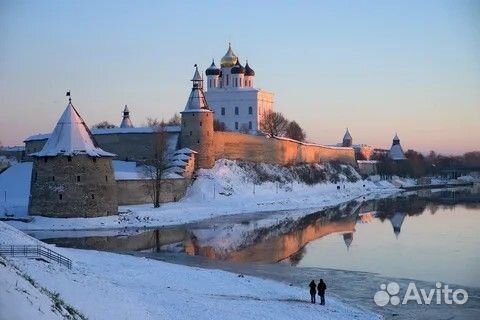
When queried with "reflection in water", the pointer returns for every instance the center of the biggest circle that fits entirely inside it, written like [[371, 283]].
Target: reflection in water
[[313, 239]]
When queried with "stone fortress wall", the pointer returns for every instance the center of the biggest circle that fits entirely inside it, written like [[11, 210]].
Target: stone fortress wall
[[283, 151], [133, 145], [138, 192]]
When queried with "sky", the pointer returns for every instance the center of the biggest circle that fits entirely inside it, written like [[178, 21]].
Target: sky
[[376, 67]]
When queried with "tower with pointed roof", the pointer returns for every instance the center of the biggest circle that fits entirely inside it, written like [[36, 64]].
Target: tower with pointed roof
[[197, 124], [126, 122], [396, 151], [347, 139], [232, 95], [72, 176]]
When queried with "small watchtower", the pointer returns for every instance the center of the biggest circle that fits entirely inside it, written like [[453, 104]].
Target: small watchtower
[[347, 139], [126, 122], [72, 176], [197, 125]]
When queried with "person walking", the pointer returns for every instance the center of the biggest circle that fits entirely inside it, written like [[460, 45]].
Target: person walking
[[313, 291], [321, 291]]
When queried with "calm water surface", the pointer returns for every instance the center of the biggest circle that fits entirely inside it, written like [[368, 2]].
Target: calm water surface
[[427, 236], [440, 243]]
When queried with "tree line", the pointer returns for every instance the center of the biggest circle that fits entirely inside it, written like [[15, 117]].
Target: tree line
[[419, 165]]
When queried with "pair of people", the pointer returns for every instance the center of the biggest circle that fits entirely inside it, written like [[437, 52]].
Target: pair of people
[[321, 291]]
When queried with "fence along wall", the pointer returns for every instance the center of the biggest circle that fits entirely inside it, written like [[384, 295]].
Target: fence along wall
[[238, 146]]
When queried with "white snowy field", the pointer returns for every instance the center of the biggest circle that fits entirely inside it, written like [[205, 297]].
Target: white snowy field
[[223, 190], [104, 285]]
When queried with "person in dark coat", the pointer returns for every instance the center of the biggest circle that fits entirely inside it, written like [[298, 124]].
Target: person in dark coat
[[313, 291], [321, 291]]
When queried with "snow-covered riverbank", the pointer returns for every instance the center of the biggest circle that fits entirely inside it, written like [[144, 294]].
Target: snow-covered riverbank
[[226, 189], [110, 286]]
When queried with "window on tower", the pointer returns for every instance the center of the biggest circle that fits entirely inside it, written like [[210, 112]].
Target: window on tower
[[236, 111], [223, 111], [236, 125], [250, 125], [250, 110], [227, 79]]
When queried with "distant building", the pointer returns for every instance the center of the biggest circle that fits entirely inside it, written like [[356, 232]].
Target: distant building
[[347, 139], [362, 151], [126, 122], [396, 151], [16, 152], [232, 95]]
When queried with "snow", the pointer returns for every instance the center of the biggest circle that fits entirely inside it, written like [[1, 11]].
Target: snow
[[19, 299], [15, 184], [111, 286], [71, 136], [127, 170], [181, 156], [226, 189], [178, 163], [185, 151]]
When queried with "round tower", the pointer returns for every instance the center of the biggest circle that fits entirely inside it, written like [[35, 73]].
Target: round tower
[[72, 176], [197, 125]]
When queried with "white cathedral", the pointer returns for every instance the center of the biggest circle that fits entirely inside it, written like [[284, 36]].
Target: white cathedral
[[232, 96]]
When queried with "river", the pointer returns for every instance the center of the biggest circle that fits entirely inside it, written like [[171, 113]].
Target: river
[[425, 237]]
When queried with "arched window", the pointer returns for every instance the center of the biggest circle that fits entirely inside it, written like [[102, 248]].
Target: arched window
[[250, 110]]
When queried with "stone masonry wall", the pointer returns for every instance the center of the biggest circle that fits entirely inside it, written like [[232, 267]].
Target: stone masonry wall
[[78, 186], [138, 192], [127, 146], [238, 146]]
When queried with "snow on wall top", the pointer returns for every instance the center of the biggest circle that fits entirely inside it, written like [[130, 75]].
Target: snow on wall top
[[96, 131], [71, 136]]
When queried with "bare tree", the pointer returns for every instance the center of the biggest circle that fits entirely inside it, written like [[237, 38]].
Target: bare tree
[[219, 125], [104, 125], [154, 123], [294, 131], [155, 167], [273, 124], [175, 120]]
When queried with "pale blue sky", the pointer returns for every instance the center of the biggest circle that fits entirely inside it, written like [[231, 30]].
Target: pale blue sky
[[377, 67]]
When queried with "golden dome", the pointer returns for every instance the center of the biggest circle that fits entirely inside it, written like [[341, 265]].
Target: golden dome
[[229, 59]]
